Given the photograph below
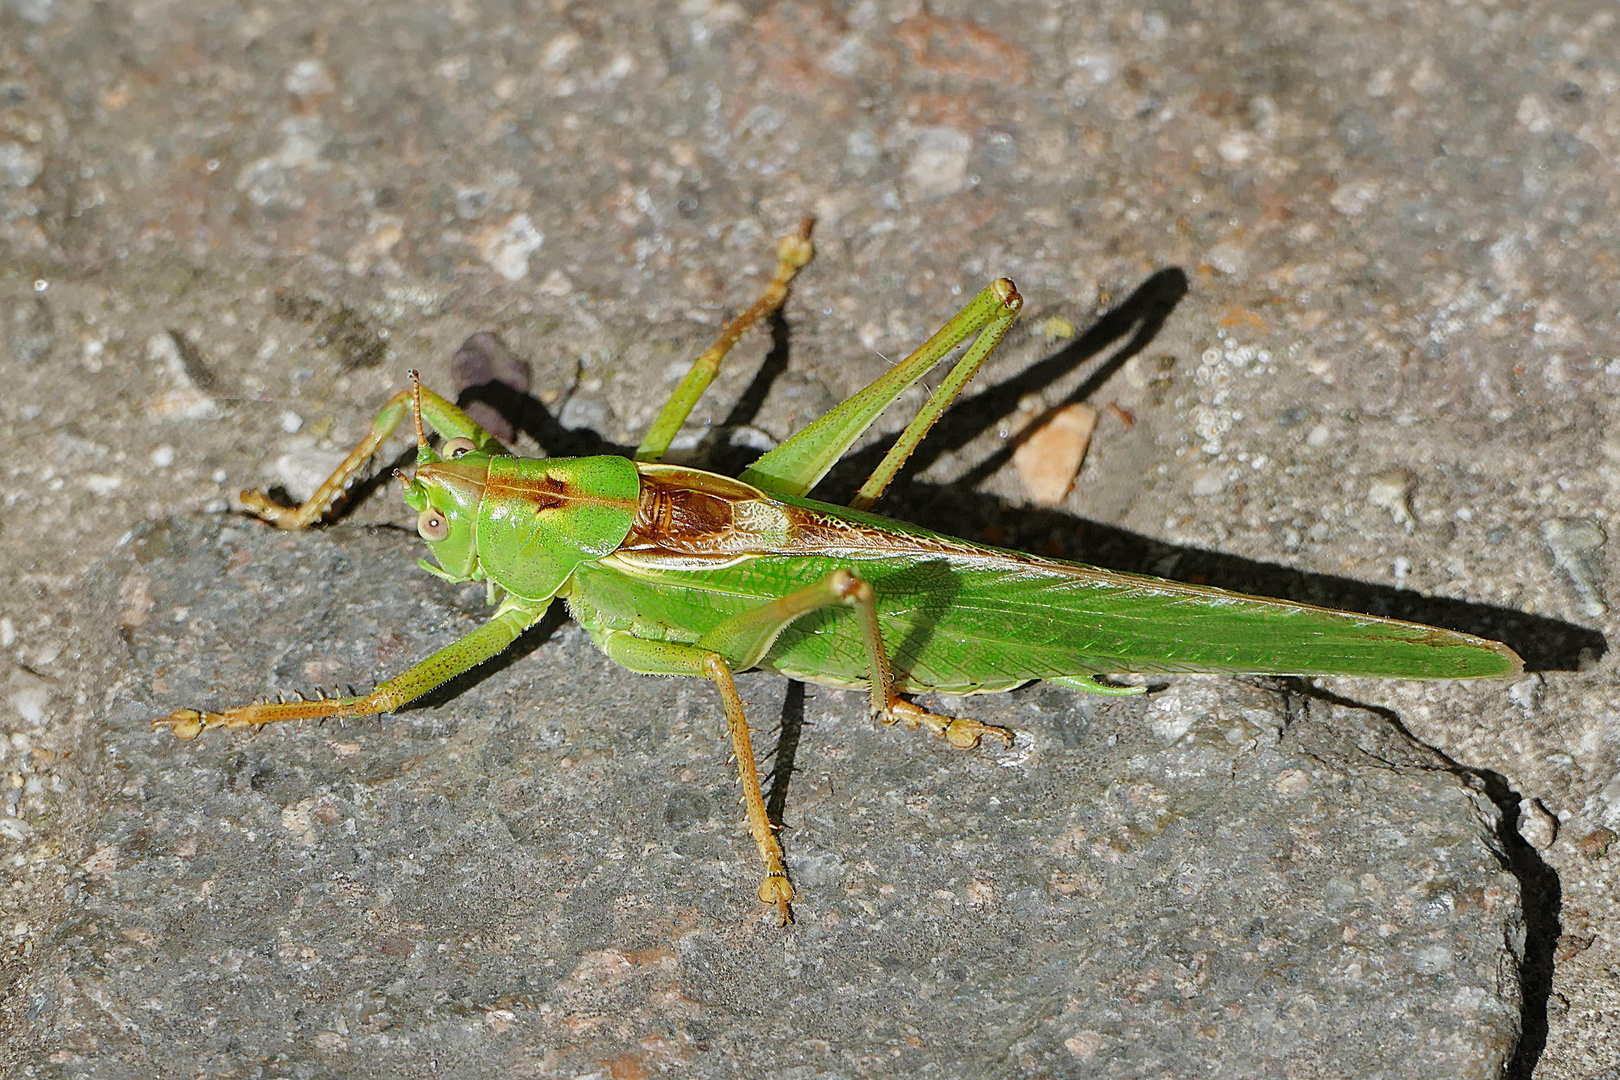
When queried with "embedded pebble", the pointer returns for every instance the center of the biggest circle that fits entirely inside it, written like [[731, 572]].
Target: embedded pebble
[[309, 79], [507, 247], [1595, 844], [103, 484], [1049, 460], [583, 412], [751, 438], [291, 422], [1228, 258], [1526, 693], [555, 283], [1577, 549], [30, 696], [1392, 491], [1291, 782], [185, 399], [939, 163], [20, 165], [1084, 1045], [1351, 199], [1211, 481], [1055, 328], [301, 472], [1536, 825]]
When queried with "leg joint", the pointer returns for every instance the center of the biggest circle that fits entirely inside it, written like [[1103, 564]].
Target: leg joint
[[848, 588], [715, 668]]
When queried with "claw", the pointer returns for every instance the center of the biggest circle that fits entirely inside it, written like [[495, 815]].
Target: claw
[[187, 723], [795, 252], [961, 732], [776, 889], [964, 734], [259, 504], [263, 507]]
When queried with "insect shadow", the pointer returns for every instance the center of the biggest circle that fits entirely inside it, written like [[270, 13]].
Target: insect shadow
[[1545, 644]]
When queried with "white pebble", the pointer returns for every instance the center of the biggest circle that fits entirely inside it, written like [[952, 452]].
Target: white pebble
[[30, 704], [1210, 481], [1536, 825], [103, 483], [291, 422], [301, 472], [1526, 693], [163, 456], [1392, 490]]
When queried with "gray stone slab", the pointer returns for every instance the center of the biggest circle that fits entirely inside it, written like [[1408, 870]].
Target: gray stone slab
[[1363, 254], [543, 872]]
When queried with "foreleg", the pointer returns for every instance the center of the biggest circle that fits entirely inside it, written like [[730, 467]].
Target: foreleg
[[441, 415], [483, 643]]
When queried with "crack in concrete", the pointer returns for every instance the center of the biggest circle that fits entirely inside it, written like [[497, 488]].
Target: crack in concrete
[[1540, 890]]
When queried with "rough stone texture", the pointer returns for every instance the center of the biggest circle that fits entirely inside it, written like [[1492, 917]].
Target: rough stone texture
[[1344, 285], [546, 874]]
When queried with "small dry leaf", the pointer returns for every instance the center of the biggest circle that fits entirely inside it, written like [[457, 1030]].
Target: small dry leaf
[[1595, 844], [1049, 460], [491, 383]]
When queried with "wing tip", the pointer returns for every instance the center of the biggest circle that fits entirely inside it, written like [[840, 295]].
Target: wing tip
[[1513, 661], [1485, 658]]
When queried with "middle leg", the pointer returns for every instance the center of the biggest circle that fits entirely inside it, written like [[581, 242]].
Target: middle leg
[[742, 641], [673, 658], [747, 637]]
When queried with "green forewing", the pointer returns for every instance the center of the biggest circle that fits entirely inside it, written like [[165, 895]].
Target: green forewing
[[986, 620], [539, 519]]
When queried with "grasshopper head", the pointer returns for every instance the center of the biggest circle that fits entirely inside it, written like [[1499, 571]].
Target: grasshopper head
[[445, 494], [524, 524]]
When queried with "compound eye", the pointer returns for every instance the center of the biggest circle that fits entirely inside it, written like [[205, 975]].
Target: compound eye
[[433, 525], [457, 448]]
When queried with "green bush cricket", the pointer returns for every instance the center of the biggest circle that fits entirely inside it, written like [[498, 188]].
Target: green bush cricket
[[678, 571]]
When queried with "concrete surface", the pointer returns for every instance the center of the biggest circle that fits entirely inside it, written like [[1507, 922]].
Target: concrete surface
[[1341, 279], [546, 873]]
